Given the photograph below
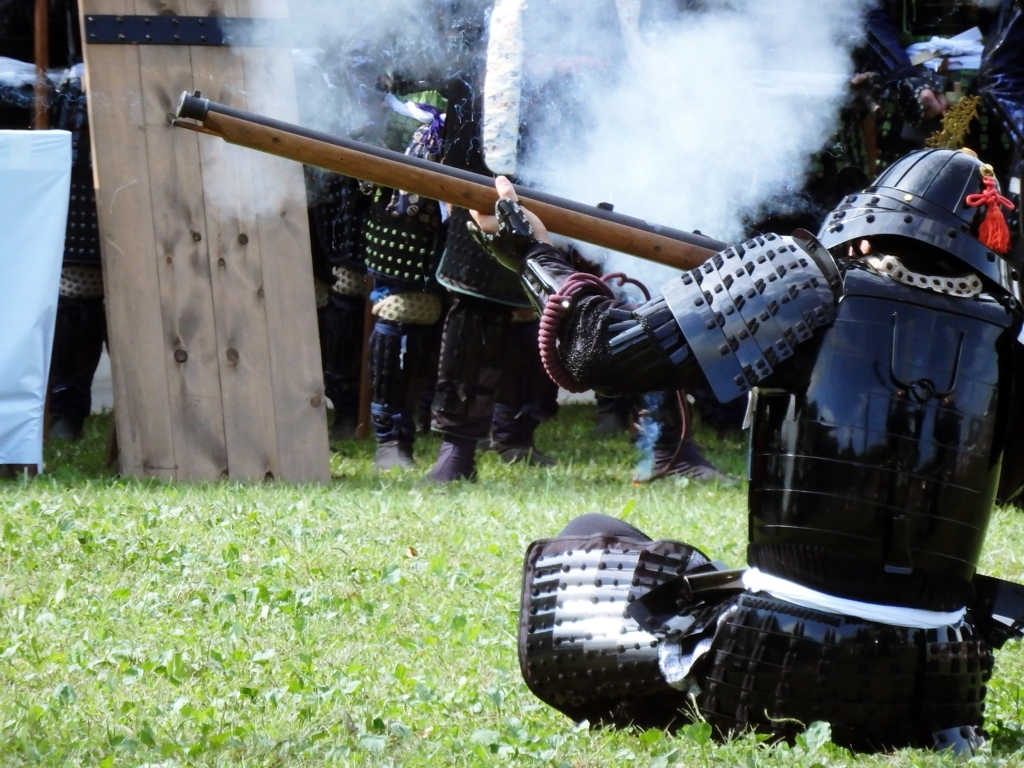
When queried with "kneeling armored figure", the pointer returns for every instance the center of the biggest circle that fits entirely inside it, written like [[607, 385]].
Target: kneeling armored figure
[[885, 371]]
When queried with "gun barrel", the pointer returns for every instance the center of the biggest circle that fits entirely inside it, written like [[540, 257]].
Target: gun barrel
[[591, 224]]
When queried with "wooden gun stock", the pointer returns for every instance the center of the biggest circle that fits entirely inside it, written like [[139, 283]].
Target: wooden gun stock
[[681, 250]]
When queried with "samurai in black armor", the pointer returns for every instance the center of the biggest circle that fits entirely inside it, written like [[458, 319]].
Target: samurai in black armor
[[403, 238], [884, 366], [490, 381], [337, 211]]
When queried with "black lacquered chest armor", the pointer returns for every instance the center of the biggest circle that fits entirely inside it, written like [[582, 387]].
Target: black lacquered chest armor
[[876, 478]]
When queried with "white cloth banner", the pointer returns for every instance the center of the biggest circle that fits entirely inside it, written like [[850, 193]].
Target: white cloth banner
[[35, 185]]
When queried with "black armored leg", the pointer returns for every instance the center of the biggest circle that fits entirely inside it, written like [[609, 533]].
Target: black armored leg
[[77, 347], [469, 370], [341, 341], [525, 398], [579, 651]]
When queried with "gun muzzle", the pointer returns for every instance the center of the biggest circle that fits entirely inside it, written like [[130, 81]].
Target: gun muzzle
[[192, 106]]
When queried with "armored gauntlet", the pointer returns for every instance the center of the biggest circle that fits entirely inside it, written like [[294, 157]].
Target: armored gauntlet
[[543, 268]]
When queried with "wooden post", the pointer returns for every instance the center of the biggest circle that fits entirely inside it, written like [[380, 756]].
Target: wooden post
[[40, 116], [870, 131]]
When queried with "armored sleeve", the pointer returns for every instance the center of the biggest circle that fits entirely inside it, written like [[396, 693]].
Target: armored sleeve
[[1002, 71], [882, 45], [732, 322]]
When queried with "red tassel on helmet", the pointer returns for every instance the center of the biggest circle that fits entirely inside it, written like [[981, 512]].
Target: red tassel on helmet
[[994, 232]]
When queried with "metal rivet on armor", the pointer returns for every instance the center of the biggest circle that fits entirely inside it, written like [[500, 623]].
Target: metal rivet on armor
[[990, 256], [908, 219], [837, 228], [196, 236], [180, 355], [875, 200], [871, 219], [1014, 275], [233, 356], [243, 239], [909, 198]]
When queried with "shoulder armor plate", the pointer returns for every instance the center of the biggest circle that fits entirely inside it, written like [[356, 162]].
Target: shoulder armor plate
[[747, 308]]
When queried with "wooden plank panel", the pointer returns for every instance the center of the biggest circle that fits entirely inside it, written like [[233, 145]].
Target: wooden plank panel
[[183, 260], [237, 274], [135, 325], [299, 399]]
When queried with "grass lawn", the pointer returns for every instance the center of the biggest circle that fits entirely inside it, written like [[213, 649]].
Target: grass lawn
[[371, 622]]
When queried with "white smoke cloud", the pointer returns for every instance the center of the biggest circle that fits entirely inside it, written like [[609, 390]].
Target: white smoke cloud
[[712, 113], [687, 119], [355, 43]]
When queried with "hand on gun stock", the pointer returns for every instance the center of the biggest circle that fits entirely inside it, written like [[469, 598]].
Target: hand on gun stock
[[512, 232], [506, 191]]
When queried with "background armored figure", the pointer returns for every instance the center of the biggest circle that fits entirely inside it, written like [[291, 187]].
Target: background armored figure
[[489, 380], [948, 74], [81, 320], [333, 86], [403, 238], [885, 370], [337, 212]]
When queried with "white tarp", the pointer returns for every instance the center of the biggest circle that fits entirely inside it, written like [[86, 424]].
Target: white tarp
[[35, 184]]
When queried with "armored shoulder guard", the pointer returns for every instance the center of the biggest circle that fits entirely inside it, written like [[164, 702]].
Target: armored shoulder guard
[[747, 308]]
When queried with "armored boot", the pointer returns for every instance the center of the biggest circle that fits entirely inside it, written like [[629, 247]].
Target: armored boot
[[468, 372], [512, 437], [525, 397], [394, 454], [613, 415], [665, 431], [344, 428], [455, 461], [392, 425], [687, 461]]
